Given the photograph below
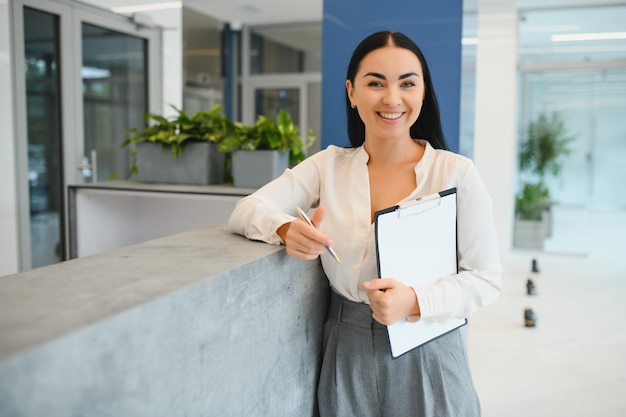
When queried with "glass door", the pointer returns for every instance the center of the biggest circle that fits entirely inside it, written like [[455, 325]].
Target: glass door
[[592, 103], [589, 194], [44, 136], [297, 94], [280, 72], [269, 101], [84, 76], [120, 78], [114, 73]]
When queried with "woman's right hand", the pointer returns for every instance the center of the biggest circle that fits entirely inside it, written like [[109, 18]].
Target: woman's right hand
[[303, 241]]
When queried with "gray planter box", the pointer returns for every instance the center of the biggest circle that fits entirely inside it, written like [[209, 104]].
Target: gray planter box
[[200, 164], [254, 169], [530, 234]]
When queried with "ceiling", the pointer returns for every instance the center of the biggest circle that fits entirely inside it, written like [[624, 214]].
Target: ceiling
[[262, 12], [297, 23], [255, 12]]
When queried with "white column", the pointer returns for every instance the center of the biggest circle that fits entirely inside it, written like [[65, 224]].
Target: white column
[[496, 110], [171, 20], [9, 255]]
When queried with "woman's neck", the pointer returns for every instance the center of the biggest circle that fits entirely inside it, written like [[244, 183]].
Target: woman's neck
[[390, 153]]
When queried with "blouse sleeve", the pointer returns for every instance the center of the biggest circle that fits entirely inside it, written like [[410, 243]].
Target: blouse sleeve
[[260, 214], [478, 282]]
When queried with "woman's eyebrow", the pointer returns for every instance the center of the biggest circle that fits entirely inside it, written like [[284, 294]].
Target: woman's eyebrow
[[382, 77], [375, 74]]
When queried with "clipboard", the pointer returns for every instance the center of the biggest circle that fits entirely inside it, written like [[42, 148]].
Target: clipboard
[[416, 245]]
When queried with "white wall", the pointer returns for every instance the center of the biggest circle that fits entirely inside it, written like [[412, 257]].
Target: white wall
[[109, 219], [9, 257], [496, 103]]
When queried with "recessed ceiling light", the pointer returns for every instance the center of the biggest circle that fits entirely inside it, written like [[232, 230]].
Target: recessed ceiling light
[[249, 8], [469, 41], [601, 36], [148, 7]]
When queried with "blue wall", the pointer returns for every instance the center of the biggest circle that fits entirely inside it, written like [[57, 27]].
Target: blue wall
[[435, 26]]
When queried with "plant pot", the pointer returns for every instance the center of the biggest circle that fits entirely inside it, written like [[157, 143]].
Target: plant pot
[[530, 234], [200, 164], [254, 169]]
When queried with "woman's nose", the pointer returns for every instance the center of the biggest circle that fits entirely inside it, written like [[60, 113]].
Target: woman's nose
[[392, 97]]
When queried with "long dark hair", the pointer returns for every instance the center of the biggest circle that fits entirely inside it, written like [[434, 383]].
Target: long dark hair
[[428, 124]]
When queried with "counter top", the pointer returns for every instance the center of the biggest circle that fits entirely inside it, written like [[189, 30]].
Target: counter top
[[204, 322], [44, 303], [217, 189]]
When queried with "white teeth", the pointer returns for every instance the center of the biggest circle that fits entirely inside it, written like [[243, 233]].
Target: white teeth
[[391, 116]]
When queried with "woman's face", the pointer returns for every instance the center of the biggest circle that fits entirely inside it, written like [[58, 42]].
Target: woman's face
[[388, 92]]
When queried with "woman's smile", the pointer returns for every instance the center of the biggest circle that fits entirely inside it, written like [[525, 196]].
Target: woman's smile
[[390, 116]]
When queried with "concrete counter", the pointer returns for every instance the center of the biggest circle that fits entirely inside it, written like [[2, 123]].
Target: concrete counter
[[201, 323]]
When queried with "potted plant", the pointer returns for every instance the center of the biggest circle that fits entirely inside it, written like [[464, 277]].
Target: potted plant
[[261, 152], [198, 135], [541, 154]]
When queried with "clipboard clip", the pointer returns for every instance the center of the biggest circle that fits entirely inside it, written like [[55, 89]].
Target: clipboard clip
[[418, 206]]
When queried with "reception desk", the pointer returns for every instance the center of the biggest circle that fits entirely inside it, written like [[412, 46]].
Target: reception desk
[[201, 323]]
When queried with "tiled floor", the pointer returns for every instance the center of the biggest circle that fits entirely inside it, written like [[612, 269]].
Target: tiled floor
[[574, 362]]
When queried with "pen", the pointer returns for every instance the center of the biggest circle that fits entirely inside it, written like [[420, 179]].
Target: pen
[[308, 221]]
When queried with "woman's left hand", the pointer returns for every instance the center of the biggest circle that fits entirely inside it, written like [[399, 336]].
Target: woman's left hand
[[390, 300]]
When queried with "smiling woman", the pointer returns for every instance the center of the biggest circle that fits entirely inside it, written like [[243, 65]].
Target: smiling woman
[[397, 155]]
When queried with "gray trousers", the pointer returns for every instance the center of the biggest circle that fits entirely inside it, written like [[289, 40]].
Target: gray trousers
[[360, 378]]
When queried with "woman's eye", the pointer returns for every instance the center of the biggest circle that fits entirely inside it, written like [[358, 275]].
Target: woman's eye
[[408, 84], [375, 84]]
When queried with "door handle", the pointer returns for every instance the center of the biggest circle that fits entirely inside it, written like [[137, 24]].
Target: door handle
[[92, 167]]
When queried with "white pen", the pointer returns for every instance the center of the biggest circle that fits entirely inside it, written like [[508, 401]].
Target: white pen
[[304, 217]]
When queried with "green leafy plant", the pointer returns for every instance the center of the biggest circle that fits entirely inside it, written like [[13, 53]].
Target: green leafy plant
[[175, 133], [541, 155], [532, 201], [213, 126], [281, 135]]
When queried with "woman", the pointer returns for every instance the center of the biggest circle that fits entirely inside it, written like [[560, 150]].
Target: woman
[[397, 154]]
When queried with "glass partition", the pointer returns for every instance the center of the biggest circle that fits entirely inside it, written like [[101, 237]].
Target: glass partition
[[592, 103], [269, 101], [573, 62], [286, 48], [45, 164], [114, 94]]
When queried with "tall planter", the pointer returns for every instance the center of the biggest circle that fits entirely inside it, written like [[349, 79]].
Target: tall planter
[[253, 169], [531, 234], [540, 157], [200, 164]]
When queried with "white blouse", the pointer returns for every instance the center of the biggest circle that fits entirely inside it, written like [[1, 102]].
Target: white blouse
[[338, 179]]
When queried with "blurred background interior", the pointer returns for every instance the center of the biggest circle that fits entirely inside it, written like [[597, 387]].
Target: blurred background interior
[[571, 61]]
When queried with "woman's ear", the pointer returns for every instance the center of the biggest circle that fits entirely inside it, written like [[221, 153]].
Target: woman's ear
[[350, 91]]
